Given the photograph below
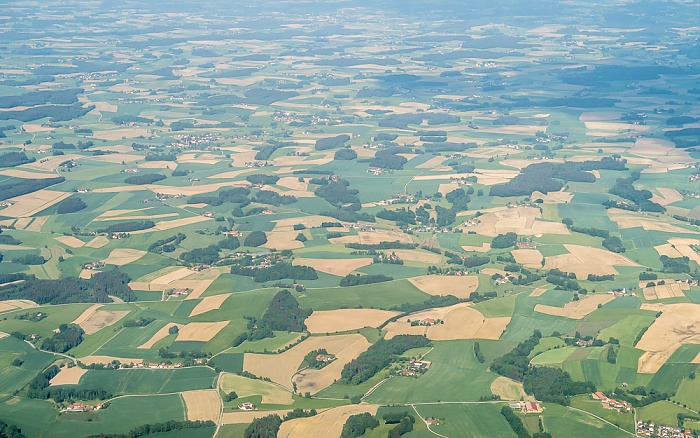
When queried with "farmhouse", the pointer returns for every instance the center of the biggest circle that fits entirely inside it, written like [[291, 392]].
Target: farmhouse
[[94, 265], [6, 203], [177, 292], [532, 408], [246, 406], [325, 357], [208, 214]]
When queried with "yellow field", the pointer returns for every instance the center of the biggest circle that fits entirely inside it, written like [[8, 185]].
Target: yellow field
[[160, 334], [99, 319], [520, 220], [71, 241], [68, 376], [283, 240], [375, 237], [202, 405], [628, 219], [530, 258], [340, 267], [538, 291], [98, 242], [576, 309], [169, 277], [209, 303], [418, 256], [483, 248], [669, 290], [330, 321], [175, 223], [327, 424], [679, 324], [16, 304], [37, 224], [124, 256], [509, 389], [467, 323], [33, 203], [200, 331], [458, 286], [196, 287], [584, 260], [244, 387], [281, 367]]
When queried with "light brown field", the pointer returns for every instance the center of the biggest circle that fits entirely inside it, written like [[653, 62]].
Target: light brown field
[[340, 267], [679, 324], [293, 183], [18, 173], [244, 387], [483, 248], [209, 303], [667, 250], [327, 424], [68, 376], [160, 334], [667, 196], [203, 405], [98, 242], [458, 286], [22, 222], [418, 256], [584, 260], [403, 326], [329, 321], [651, 147], [200, 331], [51, 163], [576, 309], [87, 313], [432, 163], [100, 319], [117, 134], [553, 197], [520, 220], [344, 239], [281, 367], [538, 291], [246, 417], [375, 237], [158, 165], [116, 159], [530, 258], [283, 240], [71, 241], [16, 304], [32, 203], [87, 274], [231, 174], [172, 276], [137, 217], [669, 290], [627, 219], [176, 223], [37, 224], [192, 190], [508, 389], [467, 323], [124, 256]]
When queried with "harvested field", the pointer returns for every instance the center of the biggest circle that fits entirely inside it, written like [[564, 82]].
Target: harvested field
[[554, 197], [293, 183], [71, 241], [158, 165], [340, 267], [508, 389], [192, 190], [281, 367], [18, 173], [520, 220], [345, 239], [86, 314], [584, 260], [530, 258], [244, 387], [341, 320], [100, 319], [537, 292], [483, 248], [124, 256], [172, 276], [141, 217], [87, 274], [375, 237], [432, 163], [160, 334], [68, 376], [667, 196], [403, 326], [679, 324], [202, 405], [670, 290], [37, 224], [231, 174], [176, 223], [98, 242], [283, 240], [16, 304], [209, 303], [120, 133], [467, 323], [458, 286], [200, 331], [33, 203], [627, 219], [418, 256], [576, 309], [667, 250], [327, 424]]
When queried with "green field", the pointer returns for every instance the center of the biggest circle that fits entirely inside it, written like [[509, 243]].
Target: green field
[[468, 420]]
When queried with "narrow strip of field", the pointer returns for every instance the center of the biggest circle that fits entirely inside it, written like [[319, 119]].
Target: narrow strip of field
[[576, 309], [330, 321], [339, 267], [209, 303], [200, 331], [160, 334]]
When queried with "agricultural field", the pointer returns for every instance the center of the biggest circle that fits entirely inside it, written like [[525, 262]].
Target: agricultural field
[[412, 215]]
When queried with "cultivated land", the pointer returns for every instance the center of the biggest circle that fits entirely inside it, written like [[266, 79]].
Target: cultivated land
[[471, 173]]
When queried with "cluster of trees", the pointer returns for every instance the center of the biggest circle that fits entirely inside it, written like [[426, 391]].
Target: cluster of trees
[[357, 279], [255, 239], [210, 254], [284, 314], [614, 244], [345, 154], [69, 290], [260, 178], [57, 113], [12, 159], [684, 138], [6, 239], [20, 186], [401, 216], [337, 193], [692, 221], [265, 427], [593, 277], [9, 431], [349, 214], [677, 265], [29, 259], [331, 142], [473, 261], [148, 178], [624, 188], [126, 227], [595, 232], [167, 244], [379, 356], [551, 177], [648, 276], [266, 151], [278, 271], [312, 362], [356, 425], [32, 98], [39, 388], [403, 420], [389, 158], [477, 352], [507, 240], [159, 428], [141, 322], [273, 198], [235, 195], [161, 157], [69, 336], [562, 280], [70, 205], [517, 425], [433, 301]]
